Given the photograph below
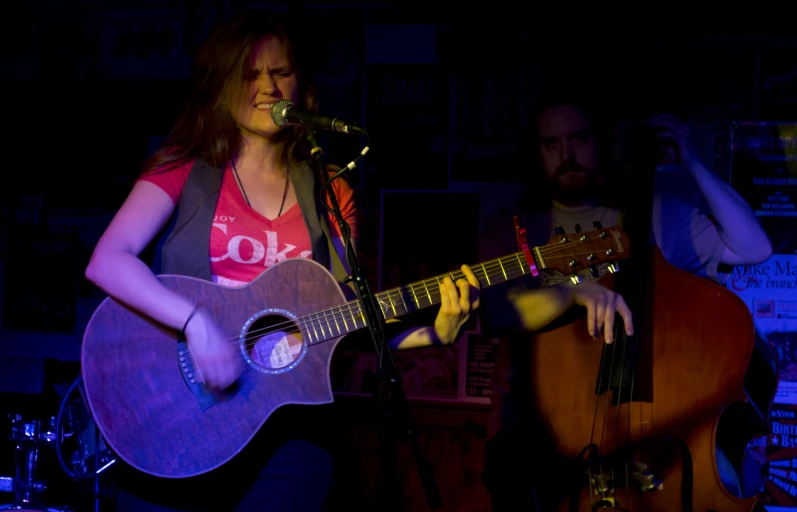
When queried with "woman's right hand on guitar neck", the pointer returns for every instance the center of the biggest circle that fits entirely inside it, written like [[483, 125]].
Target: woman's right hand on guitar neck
[[216, 357]]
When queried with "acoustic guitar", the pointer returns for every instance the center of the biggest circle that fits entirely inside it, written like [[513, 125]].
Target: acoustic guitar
[[154, 412]]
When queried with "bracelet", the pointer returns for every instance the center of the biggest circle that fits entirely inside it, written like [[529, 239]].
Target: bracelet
[[190, 316]]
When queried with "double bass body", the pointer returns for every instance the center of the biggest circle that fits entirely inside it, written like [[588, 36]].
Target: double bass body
[[656, 451]]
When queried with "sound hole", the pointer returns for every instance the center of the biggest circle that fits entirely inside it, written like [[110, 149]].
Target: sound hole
[[273, 342]]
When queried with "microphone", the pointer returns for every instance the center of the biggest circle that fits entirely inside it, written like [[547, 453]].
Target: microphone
[[285, 113]]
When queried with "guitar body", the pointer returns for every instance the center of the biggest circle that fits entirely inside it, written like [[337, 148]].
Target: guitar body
[[141, 395], [693, 358]]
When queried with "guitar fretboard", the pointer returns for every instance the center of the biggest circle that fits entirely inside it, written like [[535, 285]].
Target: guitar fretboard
[[341, 320]]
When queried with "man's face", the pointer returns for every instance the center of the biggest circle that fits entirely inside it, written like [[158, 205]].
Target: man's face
[[567, 147]]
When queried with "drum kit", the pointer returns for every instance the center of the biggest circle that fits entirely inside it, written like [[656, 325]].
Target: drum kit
[[81, 450]]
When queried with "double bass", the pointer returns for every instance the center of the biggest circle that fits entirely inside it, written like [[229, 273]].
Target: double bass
[[633, 425]]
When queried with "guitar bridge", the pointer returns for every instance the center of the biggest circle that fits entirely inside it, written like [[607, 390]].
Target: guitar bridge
[[188, 372]]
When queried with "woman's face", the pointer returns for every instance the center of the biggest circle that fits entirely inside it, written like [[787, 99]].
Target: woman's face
[[268, 76]]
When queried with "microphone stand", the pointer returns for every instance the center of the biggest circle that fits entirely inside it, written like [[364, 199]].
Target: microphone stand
[[392, 410]]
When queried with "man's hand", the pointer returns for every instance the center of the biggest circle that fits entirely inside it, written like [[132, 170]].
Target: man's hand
[[602, 303], [675, 136]]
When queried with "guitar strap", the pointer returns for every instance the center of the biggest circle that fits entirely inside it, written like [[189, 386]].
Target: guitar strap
[[337, 267], [308, 192], [316, 211]]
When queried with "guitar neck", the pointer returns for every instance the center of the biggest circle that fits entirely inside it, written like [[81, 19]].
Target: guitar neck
[[565, 253], [422, 294], [400, 301]]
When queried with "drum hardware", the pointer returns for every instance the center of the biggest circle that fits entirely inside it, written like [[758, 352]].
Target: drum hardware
[[81, 449], [28, 436], [79, 441]]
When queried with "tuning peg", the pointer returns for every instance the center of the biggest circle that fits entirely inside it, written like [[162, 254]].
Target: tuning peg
[[578, 228], [559, 230], [597, 225], [594, 271], [613, 267], [577, 278]]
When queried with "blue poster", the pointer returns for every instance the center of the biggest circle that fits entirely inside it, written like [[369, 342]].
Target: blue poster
[[764, 171]]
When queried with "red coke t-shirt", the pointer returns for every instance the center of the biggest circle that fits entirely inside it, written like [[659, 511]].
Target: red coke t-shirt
[[243, 243]]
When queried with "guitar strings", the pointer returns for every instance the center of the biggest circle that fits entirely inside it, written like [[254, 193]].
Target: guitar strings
[[483, 269], [617, 412], [394, 296], [321, 322], [593, 483], [289, 328], [558, 247], [352, 309]]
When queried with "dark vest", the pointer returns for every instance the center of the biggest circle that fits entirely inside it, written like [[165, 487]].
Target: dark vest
[[191, 226]]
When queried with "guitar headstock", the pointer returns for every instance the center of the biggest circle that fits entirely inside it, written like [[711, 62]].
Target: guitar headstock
[[576, 252]]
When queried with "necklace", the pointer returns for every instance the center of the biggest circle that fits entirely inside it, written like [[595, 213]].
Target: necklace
[[243, 192]]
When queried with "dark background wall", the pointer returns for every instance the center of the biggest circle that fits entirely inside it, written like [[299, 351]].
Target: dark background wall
[[90, 87]]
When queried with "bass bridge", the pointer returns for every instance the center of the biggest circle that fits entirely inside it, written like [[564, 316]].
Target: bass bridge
[[605, 482]]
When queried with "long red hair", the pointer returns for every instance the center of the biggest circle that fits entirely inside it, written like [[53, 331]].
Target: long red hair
[[205, 128]]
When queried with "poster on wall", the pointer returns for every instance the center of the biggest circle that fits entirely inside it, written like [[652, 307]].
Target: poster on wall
[[493, 90], [776, 76], [770, 290], [779, 471], [764, 172], [479, 364], [406, 118], [333, 41], [490, 123], [119, 43]]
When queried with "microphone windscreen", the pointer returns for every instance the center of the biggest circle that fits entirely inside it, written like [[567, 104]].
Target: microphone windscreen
[[278, 110]]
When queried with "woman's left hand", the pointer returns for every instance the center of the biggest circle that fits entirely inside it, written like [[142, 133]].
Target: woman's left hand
[[457, 302]]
